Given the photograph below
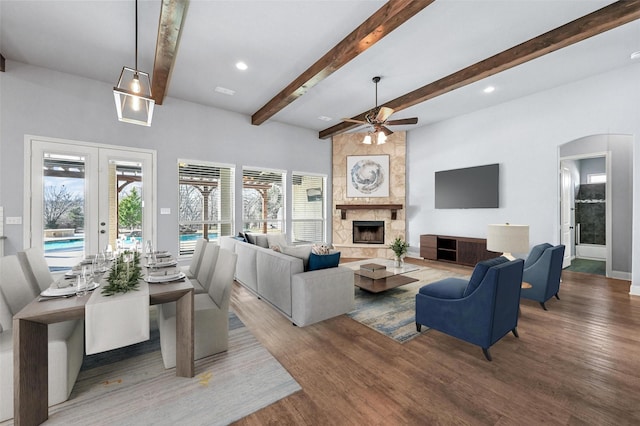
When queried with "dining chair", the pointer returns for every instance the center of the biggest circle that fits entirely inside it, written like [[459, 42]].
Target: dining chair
[[191, 270], [205, 271], [65, 347], [36, 268], [211, 314]]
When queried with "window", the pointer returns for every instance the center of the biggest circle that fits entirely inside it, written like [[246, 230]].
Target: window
[[263, 200], [307, 217], [206, 202], [597, 178]]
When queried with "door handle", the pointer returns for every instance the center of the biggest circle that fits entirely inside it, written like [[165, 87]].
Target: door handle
[[102, 231], [571, 227]]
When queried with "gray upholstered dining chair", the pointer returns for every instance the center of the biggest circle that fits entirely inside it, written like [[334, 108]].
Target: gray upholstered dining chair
[[36, 269], [211, 314], [66, 339], [191, 270]]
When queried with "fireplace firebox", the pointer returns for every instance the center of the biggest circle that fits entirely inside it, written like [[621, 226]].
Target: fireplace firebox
[[368, 232]]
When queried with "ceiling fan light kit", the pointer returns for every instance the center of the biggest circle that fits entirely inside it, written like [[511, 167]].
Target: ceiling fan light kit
[[132, 94], [378, 118]]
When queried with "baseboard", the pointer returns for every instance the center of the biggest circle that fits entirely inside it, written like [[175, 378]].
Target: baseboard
[[634, 290], [621, 275]]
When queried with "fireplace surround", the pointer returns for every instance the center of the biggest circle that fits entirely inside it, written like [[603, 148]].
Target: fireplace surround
[[368, 232]]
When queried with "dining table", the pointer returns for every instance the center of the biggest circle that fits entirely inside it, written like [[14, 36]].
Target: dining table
[[30, 342]]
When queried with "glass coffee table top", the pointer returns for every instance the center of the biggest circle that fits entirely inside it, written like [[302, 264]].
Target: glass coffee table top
[[376, 275]]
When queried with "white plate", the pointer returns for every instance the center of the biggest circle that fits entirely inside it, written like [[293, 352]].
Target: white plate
[[157, 278], [163, 263], [52, 292]]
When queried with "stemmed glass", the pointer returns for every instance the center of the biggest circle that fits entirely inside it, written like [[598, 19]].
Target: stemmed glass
[[148, 251], [84, 280]]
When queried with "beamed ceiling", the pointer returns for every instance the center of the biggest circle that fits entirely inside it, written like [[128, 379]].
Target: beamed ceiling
[[311, 62]]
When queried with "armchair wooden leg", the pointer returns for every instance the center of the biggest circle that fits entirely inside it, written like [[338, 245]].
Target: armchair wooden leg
[[557, 297], [515, 332], [543, 307], [486, 353], [418, 327]]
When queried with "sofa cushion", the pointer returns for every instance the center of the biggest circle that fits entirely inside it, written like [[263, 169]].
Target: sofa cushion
[[480, 271], [278, 240], [323, 261], [448, 288], [301, 252], [262, 240]]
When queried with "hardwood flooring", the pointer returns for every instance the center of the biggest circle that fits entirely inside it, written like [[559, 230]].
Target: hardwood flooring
[[577, 363]]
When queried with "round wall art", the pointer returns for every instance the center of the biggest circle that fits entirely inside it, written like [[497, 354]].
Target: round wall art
[[368, 176]]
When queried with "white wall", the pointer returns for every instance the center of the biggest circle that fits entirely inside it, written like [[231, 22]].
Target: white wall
[[523, 136], [42, 102]]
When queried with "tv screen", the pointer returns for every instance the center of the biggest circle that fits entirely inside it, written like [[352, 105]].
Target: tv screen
[[468, 188]]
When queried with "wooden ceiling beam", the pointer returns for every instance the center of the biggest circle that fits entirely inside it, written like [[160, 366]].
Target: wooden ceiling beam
[[389, 17], [605, 19], [172, 13]]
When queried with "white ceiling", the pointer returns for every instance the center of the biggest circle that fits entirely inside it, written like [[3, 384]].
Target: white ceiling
[[281, 39]]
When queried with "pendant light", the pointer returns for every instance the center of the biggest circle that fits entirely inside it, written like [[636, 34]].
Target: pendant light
[[132, 94]]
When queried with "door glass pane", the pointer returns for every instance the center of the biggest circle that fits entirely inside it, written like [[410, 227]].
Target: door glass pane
[[125, 216], [63, 210]]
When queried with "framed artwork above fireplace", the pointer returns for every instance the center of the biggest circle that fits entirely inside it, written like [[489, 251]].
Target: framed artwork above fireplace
[[367, 176]]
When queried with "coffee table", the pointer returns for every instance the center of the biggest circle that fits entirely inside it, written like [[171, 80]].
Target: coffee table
[[381, 275]]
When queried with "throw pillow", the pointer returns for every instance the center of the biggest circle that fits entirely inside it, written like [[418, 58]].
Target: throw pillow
[[302, 252], [251, 239], [279, 240], [262, 241], [323, 261], [480, 271], [321, 249]]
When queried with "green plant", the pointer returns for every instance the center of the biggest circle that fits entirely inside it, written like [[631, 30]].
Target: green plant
[[399, 247], [124, 277]]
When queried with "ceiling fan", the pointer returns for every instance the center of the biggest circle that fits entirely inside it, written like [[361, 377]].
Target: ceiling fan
[[378, 118]]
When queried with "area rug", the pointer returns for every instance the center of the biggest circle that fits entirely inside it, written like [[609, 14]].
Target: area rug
[[392, 312], [130, 386]]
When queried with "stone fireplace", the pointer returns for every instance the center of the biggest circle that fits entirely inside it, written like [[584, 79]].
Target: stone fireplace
[[387, 212], [368, 232]]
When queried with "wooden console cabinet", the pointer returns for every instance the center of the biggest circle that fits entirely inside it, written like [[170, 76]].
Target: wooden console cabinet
[[461, 250]]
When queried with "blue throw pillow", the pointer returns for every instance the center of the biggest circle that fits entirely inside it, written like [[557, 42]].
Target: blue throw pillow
[[480, 271], [536, 253], [323, 261]]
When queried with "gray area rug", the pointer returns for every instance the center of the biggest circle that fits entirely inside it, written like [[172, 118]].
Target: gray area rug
[[137, 390], [392, 312]]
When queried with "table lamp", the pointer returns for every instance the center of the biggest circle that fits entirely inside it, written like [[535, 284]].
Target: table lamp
[[507, 238]]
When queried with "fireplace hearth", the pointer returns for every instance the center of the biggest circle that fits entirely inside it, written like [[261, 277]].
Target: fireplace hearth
[[368, 232]]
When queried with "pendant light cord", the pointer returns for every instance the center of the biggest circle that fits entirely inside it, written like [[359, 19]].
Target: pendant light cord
[[137, 36]]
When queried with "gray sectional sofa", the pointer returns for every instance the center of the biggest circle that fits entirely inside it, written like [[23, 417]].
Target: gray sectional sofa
[[303, 297]]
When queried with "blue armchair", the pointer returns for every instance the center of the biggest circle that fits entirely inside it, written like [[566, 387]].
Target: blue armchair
[[542, 270], [480, 311]]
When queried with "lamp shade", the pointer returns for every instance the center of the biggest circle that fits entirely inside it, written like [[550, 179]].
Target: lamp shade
[[132, 95], [508, 238]]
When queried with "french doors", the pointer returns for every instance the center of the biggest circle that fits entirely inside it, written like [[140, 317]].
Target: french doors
[[86, 197]]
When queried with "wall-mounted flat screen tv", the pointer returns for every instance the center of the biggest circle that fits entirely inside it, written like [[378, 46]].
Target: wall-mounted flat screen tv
[[468, 188]]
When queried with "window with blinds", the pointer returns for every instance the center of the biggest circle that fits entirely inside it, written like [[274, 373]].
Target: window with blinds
[[206, 202], [308, 208], [263, 200]]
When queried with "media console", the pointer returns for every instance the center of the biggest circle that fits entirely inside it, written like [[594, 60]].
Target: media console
[[461, 250]]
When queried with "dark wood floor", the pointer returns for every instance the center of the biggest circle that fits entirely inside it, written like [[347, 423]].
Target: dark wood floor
[[577, 363]]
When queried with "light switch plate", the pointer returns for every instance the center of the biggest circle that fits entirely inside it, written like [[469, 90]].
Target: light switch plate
[[14, 220], [165, 210]]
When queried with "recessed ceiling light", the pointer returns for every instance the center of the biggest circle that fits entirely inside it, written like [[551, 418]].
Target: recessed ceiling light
[[325, 118], [635, 55], [225, 91], [489, 89], [241, 66]]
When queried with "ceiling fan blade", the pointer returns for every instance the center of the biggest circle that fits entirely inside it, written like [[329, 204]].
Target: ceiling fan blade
[[383, 114], [400, 121], [350, 120]]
